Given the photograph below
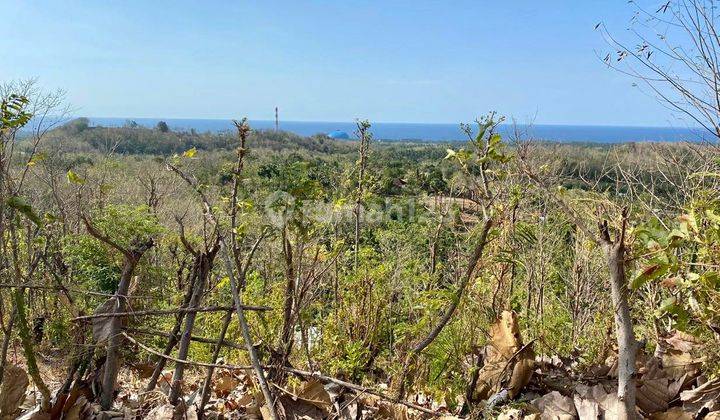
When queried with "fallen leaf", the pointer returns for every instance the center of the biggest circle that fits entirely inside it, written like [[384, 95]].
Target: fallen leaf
[[522, 372], [555, 406], [144, 369], [706, 396], [161, 412], [169, 412], [314, 393], [681, 341], [225, 383], [12, 392], [611, 406], [505, 355], [290, 408], [654, 395], [677, 364], [675, 413], [388, 410], [586, 408], [76, 412]]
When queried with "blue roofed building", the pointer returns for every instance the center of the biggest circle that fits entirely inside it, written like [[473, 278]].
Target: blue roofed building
[[338, 134]]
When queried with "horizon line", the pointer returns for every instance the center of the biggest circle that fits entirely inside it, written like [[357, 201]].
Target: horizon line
[[392, 122]]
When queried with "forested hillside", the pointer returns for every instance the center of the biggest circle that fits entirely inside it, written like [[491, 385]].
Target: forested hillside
[[147, 272]]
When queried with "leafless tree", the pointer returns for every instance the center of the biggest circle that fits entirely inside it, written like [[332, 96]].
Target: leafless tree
[[673, 54]]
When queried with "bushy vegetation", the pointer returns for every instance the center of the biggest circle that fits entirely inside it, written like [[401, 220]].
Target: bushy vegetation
[[384, 265]]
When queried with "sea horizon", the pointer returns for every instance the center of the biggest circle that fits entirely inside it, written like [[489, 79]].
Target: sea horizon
[[432, 132]]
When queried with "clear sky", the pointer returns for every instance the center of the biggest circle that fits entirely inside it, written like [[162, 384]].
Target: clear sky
[[404, 61]]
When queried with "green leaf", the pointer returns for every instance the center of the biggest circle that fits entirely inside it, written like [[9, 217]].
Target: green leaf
[[37, 157], [648, 273], [19, 204], [105, 188], [667, 305], [712, 216], [74, 178], [710, 279], [676, 234], [12, 113], [190, 153]]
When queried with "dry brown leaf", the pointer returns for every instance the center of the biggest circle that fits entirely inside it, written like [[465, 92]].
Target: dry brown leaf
[[144, 369], [654, 395], [161, 412], [706, 395], [555, 406], [388, 410], [652, 369], [675, 413], [675, 387], [37, 415], [348, 410], [265, 412], [523, 413], [611, 406], [314, 393], [245, 400], [682, 342], [290, 408], [522, 372], [502, 358], [505, 334], [12, 392], [225, 384], [170, 412], [677, 364], [608, 402], [586, 408]]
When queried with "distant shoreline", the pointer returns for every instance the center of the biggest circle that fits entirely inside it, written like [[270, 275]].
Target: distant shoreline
[[433, 132]]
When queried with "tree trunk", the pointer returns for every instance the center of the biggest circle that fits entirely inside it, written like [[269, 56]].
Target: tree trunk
[[627, 346], [28, 348], [202, 268], [254, 360], [112, 364], [205, 396], [282, 353], [6, 343], [172, 342]]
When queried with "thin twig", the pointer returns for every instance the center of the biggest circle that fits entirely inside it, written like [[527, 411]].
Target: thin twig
[[360, 388], [170, 312], [185, 362], [192, 338]]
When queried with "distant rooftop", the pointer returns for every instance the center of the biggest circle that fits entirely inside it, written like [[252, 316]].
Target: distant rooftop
[[338, 134]]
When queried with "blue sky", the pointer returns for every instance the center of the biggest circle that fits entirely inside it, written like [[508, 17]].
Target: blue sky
[[404, 61]]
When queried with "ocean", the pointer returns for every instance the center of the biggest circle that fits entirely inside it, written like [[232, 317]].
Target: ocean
[[435, 132]]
